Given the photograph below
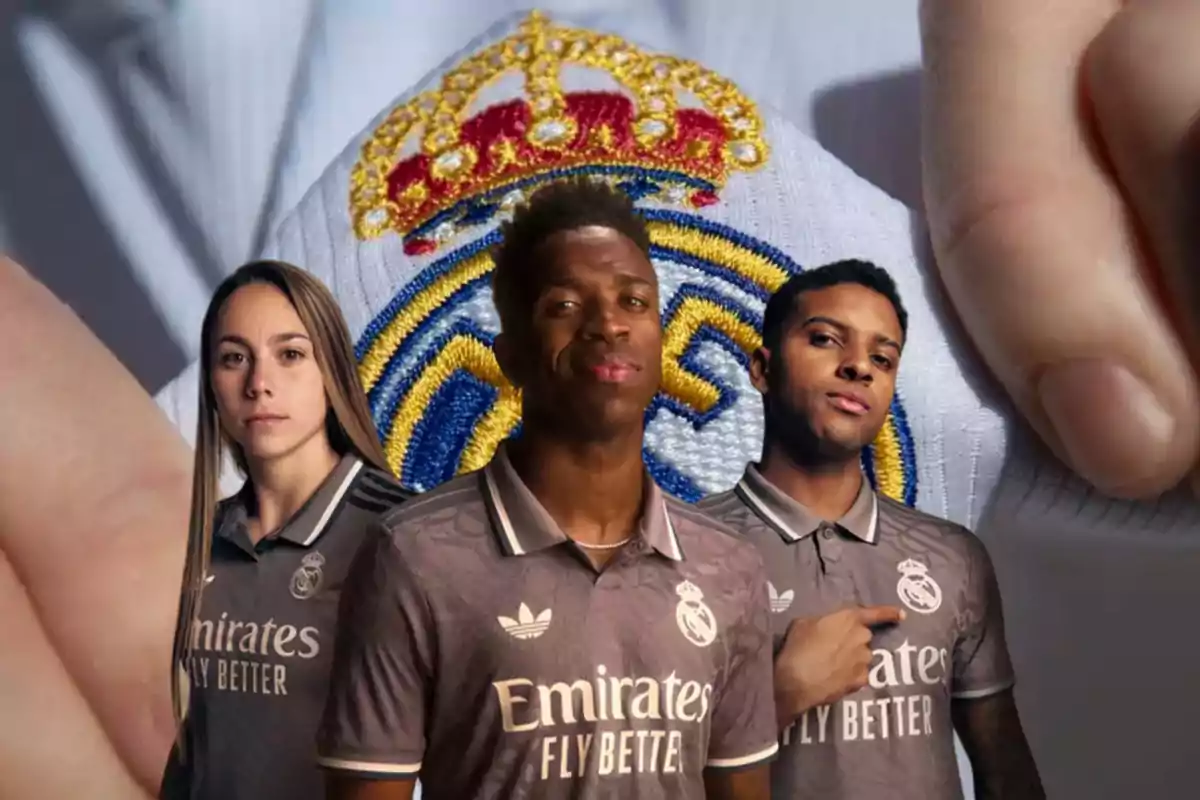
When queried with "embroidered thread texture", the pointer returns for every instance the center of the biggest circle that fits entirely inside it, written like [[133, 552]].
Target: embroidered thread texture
[[436, 392]]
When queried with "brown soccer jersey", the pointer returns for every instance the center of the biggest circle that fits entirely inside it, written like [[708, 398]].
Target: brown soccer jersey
[[480, 649], [894, 739], [264, 643]]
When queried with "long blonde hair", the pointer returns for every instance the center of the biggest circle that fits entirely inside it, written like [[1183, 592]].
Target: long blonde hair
[[348, 425]]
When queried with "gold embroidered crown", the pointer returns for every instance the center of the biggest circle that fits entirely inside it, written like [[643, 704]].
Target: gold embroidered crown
[[467, 170]]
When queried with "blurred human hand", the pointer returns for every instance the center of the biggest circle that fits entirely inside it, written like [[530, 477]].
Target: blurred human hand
[[1059, 141], [94, 493]]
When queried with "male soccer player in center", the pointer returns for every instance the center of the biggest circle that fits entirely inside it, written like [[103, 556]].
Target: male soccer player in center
[[553, 626], [888, 620]]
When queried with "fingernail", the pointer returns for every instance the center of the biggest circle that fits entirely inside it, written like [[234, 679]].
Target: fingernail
[[1107, 419]]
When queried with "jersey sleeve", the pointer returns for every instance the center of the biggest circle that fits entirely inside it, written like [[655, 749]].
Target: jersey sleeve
[[177, 777], [981, 662], [382, 676], [744, 731]]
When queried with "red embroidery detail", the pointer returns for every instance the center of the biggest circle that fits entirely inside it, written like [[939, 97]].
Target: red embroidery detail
[[703, 198], [604, 135], [419, 247]]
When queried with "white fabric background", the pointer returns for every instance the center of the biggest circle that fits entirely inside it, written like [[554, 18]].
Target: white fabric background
[[175, 135]]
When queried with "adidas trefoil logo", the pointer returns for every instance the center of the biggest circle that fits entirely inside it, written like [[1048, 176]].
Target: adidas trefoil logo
[[780, 602], [526, 625]]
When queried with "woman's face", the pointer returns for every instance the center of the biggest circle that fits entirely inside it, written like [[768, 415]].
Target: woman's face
[[270, 394]]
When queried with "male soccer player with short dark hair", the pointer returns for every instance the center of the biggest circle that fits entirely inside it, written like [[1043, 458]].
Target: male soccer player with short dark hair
[[887, 620], [553, 626]]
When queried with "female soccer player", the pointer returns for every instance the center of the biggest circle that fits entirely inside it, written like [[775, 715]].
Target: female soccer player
[[279, 393]]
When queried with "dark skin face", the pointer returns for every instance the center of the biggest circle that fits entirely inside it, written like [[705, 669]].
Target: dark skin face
[[589, 357], [832, 375], [586, 351]]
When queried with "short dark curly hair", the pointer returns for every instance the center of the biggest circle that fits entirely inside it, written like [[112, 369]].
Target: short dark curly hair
[[782, 304], [555, 208]]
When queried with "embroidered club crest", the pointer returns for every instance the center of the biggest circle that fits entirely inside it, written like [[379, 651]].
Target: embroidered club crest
[[308, 577], [916, 589], [440, 171], [694, 617]]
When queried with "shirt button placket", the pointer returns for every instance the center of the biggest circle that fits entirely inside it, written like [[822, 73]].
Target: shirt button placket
[[830, 544], [837, 567]]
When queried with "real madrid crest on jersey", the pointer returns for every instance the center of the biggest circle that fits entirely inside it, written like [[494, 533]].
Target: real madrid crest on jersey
[[695, 618], [443, 169], [308, 577], [916, 589]]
